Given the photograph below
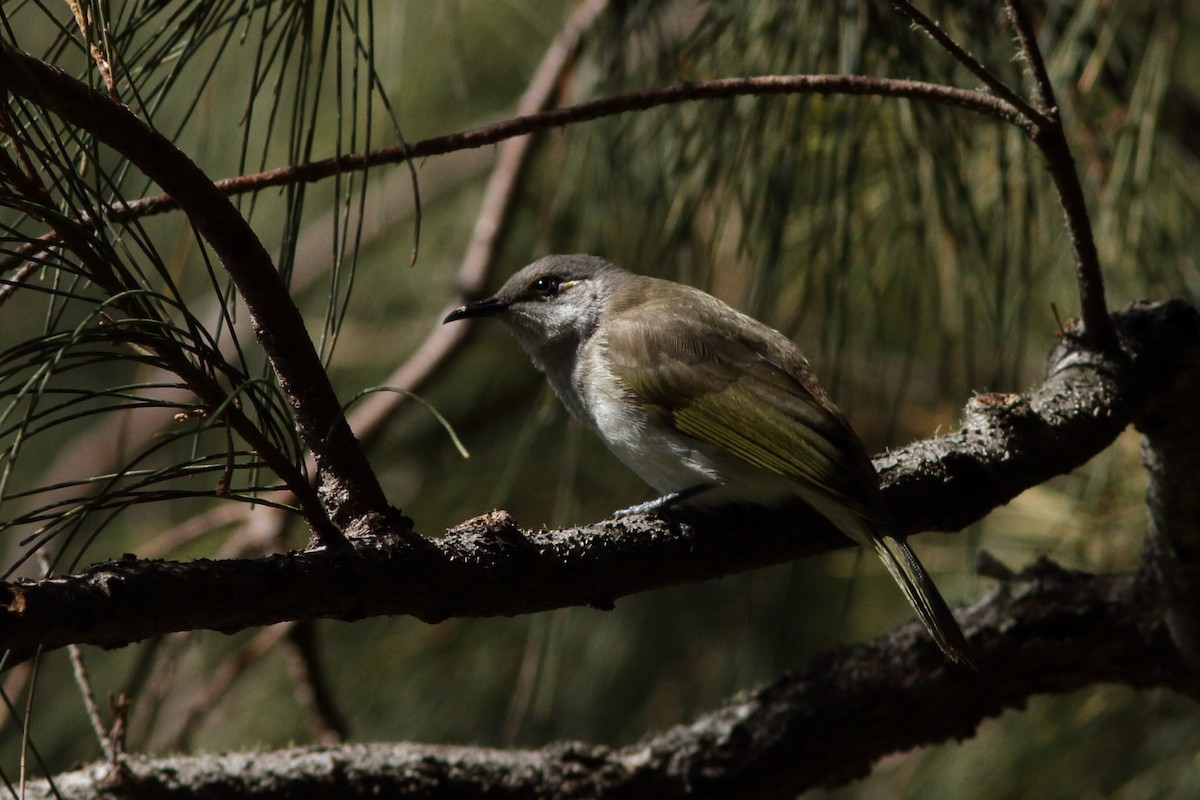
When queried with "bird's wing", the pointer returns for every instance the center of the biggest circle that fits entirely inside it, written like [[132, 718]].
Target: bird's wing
[[729, 381]]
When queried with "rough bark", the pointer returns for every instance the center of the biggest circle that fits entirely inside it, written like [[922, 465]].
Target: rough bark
[[1047, 630], [495, 568], [1171, 452]]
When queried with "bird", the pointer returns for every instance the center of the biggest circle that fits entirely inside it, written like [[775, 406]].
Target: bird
[[706, 404]]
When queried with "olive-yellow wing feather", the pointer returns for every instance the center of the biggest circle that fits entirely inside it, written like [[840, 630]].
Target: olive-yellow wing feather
[[729, 381]]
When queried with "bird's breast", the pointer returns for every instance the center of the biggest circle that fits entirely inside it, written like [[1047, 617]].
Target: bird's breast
[[663, 457]]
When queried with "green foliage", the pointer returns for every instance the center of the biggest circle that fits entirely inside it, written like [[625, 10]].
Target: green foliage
[[868, 225]]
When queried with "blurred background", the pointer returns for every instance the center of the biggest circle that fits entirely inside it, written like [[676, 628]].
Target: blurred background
[[916, 253]]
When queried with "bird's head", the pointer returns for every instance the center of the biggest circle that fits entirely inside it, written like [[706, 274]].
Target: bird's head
[[555, 301]]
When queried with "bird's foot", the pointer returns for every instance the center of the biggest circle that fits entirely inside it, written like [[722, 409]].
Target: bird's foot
[[664, 503]]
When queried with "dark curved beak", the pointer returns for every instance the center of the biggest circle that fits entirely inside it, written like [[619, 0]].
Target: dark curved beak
[[480, 308]]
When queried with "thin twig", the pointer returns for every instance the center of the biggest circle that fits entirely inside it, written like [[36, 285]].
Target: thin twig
[[97, 54], [1002, 89], [1046, 131], [120, 726], [721, 88], [204, 701], [196, 526], [1043, 87], [10, 285], [154, 683], [103, 735], [14, 684], [79, 669], [370, 417], [325, 721], [27, 721], [14, 141], [1051, 139]]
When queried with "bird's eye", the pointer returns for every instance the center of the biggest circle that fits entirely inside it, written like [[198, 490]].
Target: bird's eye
[[546, 286]]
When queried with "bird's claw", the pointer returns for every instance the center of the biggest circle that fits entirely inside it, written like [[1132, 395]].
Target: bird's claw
[[664, 503]]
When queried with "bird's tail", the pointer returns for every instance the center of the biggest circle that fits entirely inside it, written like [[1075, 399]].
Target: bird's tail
[[925, 598], [902, 562]]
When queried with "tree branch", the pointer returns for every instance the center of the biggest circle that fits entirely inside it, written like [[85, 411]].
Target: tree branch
[[721, 88], [1045, 128], [1171, 428], [947, 43], [1043, 87], [312, 687], [1051, 139], [1049, 630], [1005, 446], [349, 489]]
